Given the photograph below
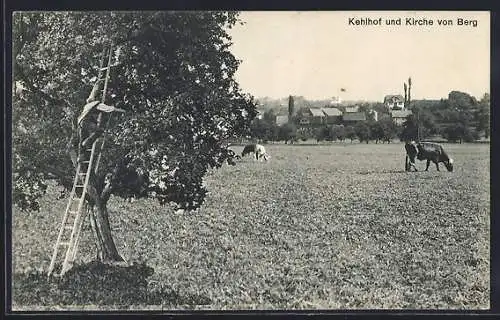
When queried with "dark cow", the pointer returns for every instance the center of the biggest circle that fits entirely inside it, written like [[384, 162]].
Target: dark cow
[[257, 149], [426, 151]]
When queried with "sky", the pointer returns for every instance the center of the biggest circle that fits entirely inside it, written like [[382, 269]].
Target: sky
[[316, 53]]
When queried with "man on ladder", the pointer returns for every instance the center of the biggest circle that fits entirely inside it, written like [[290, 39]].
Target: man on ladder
[[89, 127]]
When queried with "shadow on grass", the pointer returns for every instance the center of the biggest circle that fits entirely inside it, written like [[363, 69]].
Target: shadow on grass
[[95, 283]]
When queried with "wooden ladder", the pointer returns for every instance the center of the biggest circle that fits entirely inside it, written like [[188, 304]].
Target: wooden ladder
[[77, 208]]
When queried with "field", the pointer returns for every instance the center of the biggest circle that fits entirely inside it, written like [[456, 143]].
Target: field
[[316, 227]]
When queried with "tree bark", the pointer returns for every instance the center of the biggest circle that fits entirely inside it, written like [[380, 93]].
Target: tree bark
[[106, 248]]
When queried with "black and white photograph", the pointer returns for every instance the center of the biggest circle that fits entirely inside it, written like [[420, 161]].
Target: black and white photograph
[[250, 160]]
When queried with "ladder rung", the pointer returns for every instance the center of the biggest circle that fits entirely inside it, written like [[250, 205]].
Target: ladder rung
[[80, 186], [104, 68], [63, 243], [68, 227], [86, 161], [82, 173]]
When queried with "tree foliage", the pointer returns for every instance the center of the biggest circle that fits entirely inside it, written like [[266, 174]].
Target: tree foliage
[[337, 132], [350, 133], [330, 133], [410, 129], [263, 130], [288, 133], [304, 134], [363, 132], [320, 133], [460, 133], [270, 116], [460, 100]]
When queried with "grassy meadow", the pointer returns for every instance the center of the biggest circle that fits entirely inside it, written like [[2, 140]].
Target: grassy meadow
[[333, 226]]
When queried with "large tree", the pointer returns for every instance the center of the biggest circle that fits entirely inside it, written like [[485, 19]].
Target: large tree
[[174, 76], [459, 117], [461, 101]]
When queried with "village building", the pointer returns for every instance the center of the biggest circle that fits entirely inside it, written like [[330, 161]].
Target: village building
[[315, 116], [311, 117], [352, 118], [332, 115], [399, 116], [394, 102], [352, 109]]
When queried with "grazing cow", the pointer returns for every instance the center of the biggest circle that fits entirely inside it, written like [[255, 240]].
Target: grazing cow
[[426, 151], [257, 149]]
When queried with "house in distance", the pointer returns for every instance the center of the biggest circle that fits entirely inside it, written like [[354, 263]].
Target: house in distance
[[394, 102]]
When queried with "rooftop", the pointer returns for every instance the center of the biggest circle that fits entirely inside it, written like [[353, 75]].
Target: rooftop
[[316, 112], [332, 111], [352, 109], [400, 113], [394, 98]]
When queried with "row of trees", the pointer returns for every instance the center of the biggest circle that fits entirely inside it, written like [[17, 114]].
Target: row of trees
[[365, 131], [459, 118], [267, 130]]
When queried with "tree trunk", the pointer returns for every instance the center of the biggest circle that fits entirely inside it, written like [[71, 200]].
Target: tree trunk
[[106, 248]]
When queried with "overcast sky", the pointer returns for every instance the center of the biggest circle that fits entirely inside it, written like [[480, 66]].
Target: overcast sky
[[314, 54]]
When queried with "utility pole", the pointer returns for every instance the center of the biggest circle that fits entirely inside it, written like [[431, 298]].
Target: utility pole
[[418, 125]]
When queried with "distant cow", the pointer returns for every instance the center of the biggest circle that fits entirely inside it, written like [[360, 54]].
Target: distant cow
[[426, 151], [257, 149]]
